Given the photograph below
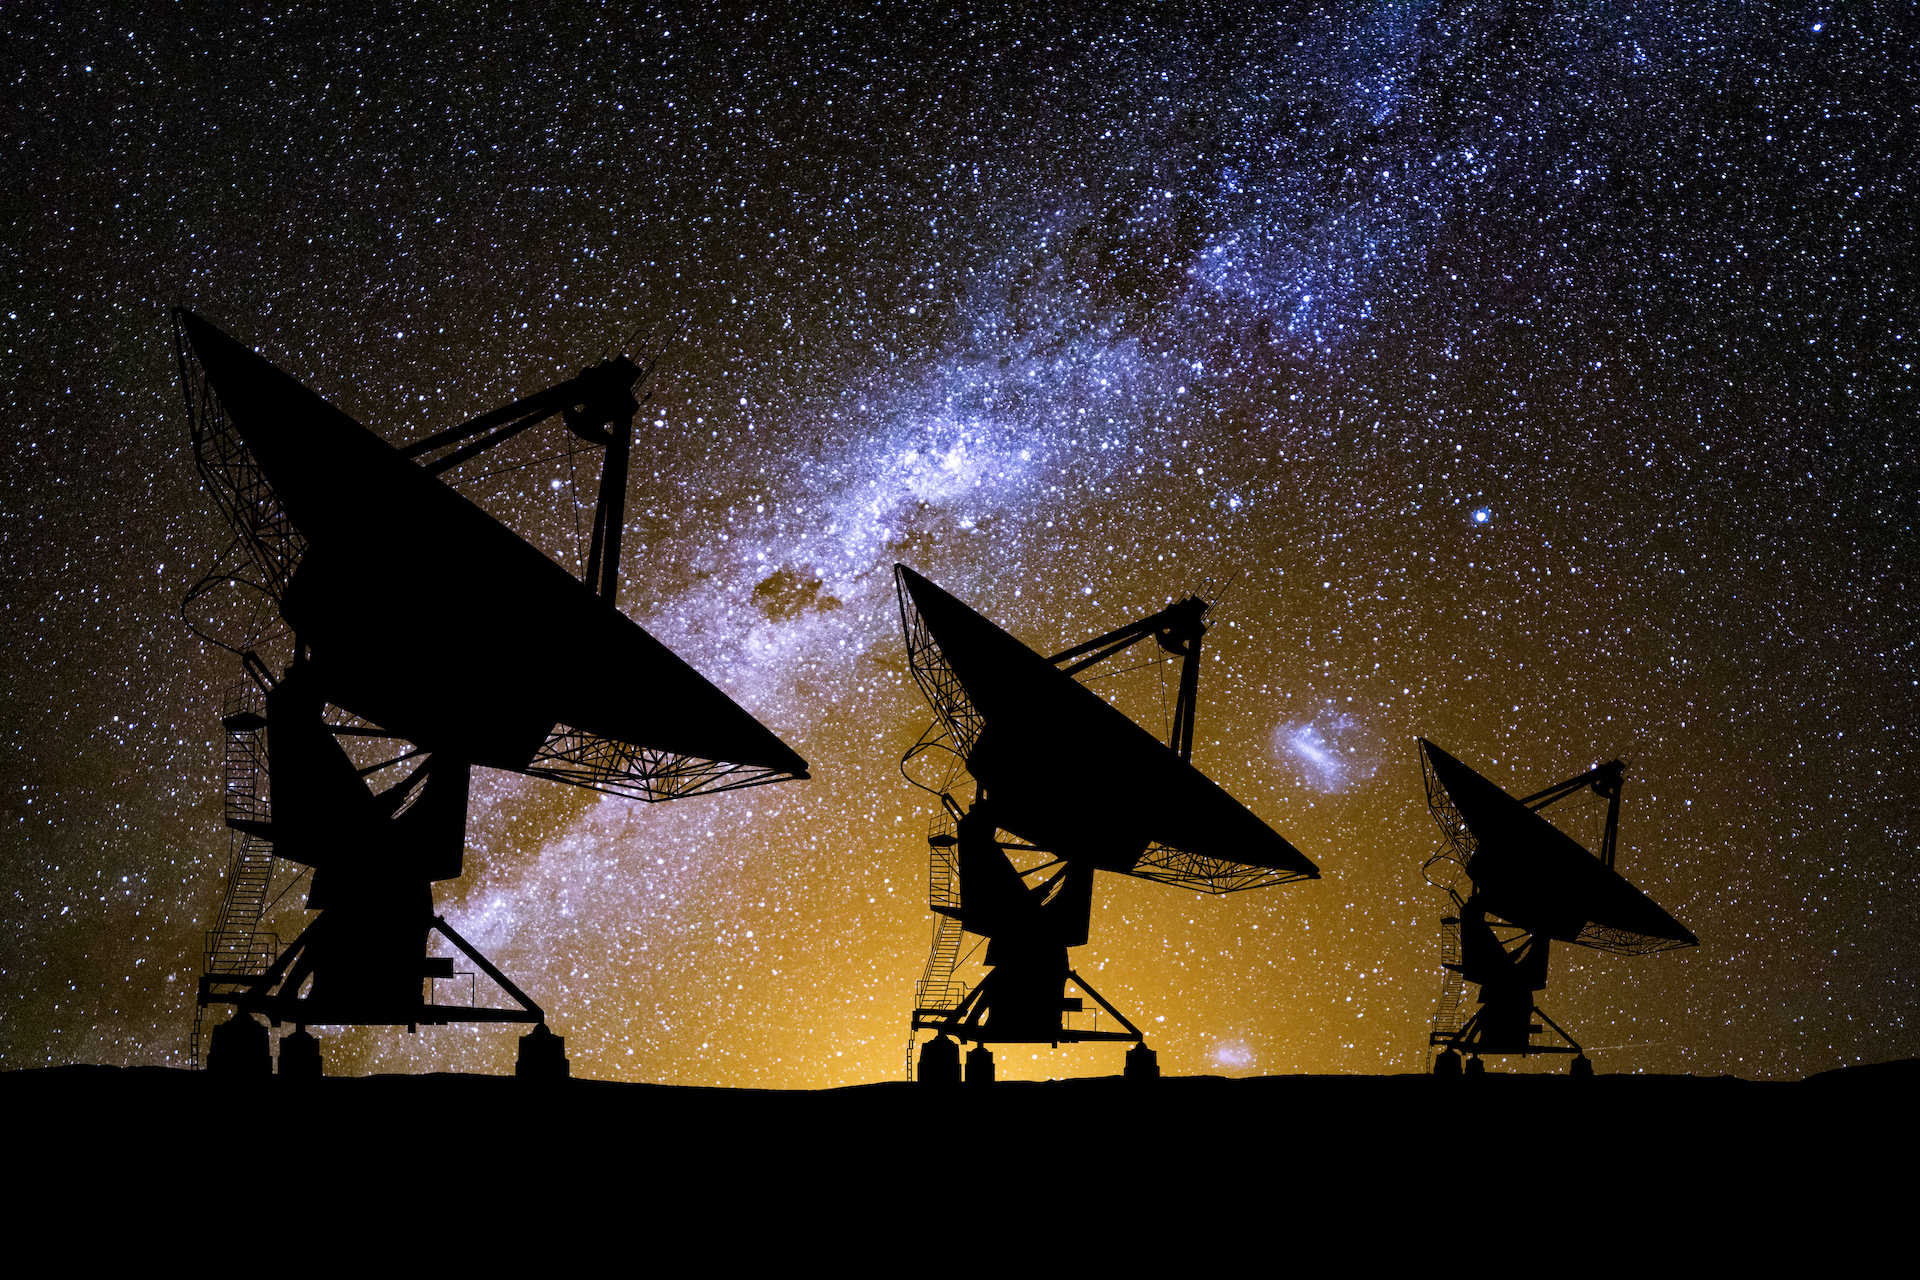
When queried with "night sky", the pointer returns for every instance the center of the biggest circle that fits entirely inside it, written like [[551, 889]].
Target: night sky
[[1533, 377]]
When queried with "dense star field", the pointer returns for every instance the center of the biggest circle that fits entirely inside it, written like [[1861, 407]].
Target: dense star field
[[1533, 377]]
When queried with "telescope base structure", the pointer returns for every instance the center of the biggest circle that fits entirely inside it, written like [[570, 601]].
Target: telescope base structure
[[300, 1056], [275, 995], [543, 1055], [979, 1065], [240, 1046], [939, 1062], [939, 1058], [1508, 975], [1503, 1028]]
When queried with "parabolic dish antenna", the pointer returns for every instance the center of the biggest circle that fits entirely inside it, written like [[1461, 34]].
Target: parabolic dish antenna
[[1072, 785], [416, 619], [1527, 885]]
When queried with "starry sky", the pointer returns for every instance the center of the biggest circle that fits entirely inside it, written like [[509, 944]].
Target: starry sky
[[1533, 377]]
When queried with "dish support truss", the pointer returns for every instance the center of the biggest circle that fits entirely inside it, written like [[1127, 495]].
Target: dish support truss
[[266, 547], [959, 720], [638, 773]]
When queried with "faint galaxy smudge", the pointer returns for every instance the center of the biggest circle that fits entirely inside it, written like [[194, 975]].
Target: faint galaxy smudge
[[1233, 1055], [1330, 753]]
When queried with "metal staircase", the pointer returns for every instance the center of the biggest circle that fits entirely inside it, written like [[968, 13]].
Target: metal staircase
[[937, 991], [1453, 989], [236, 949]]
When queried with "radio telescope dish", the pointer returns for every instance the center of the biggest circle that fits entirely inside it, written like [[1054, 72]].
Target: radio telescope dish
[[423, 622], [1528, 880], [1065, 777]]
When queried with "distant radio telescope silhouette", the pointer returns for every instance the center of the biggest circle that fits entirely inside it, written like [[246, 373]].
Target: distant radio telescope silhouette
[[414, 619], [1071, 785], [1527, 885]]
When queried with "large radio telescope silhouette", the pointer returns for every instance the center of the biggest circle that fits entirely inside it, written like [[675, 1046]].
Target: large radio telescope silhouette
[[1064, 780], [1527, 886], [415, 619]]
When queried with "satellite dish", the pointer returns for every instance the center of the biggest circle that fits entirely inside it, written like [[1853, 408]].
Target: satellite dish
[[1526, 878], [1059, 773], [435, 628]]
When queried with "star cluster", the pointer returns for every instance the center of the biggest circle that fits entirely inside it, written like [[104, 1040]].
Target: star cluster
[[1534, 378]]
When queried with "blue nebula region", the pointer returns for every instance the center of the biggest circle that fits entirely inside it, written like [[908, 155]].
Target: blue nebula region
[[1331, 753]]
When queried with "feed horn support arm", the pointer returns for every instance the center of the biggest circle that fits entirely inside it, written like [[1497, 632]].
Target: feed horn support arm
[[598, 407], [610, 513], [1606, 780], [1179, 629], [596, 390]]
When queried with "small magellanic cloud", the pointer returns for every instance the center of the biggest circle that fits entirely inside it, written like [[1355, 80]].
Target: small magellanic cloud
[[1232, 1055]]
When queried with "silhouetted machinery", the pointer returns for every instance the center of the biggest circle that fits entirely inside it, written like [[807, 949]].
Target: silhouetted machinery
[[418, 621], [1528, 885], [1065, 781]]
